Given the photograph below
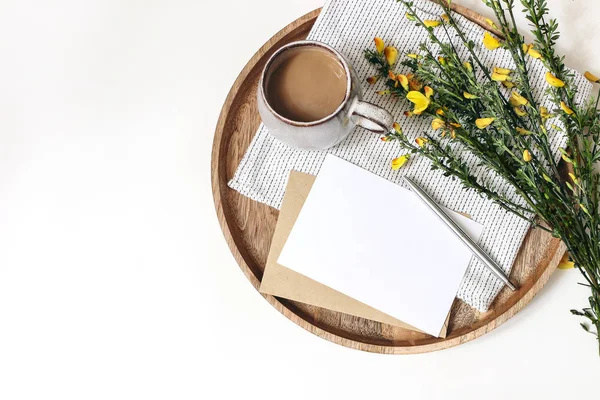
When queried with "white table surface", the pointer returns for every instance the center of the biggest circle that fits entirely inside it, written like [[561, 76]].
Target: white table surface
[[115, 279]]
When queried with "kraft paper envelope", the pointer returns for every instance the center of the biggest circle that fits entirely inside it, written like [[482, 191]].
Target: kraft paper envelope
[[283, 282]]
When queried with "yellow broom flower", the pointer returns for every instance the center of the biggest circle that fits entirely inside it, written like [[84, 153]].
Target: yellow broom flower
[[468, 66], [565, 262], [523, 131], [508, 84], [591, 77], [421, 141], [503, 71], [397, 163], [526, 156], [491, 23], [412, 55], [408, 113], [445, 17], [566, 108], [403, 81], [500, 77], [379, 45], [431, 23], [437, 123], [517, 100], [553, 81], [391, 75], [439, 111], [419, 100], [442, 60], [372, 79], [490, 42], [428, 91], [483, 122], [469, 96], [544, 113], [520, 111], [534, 53], [397, 128], [391, 54]]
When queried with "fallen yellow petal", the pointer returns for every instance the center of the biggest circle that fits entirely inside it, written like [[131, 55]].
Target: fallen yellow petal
[[403, 81], [437, 123], [490, 42], [526, 156], [420, 101], [440, 111], [391, 75], [397, 128], [422, 141], [391, 54], [379, 45], [445, 17], [397, 163], [412, 55], [469, 95], [490, 22], [455, 124], [566, 108], [565, 262], [553, 81], [430, 23], [520, 112], [591, 77], [508, 84], [428, 91], [483, 122], [372, 79], [408, 113]]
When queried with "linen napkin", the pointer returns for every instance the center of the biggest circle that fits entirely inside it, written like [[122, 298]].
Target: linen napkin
[[350, 26]]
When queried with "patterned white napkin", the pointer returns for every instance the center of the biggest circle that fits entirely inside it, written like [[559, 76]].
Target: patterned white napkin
[[350, 26]]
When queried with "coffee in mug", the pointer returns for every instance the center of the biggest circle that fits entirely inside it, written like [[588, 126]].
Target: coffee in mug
[[309, 97]]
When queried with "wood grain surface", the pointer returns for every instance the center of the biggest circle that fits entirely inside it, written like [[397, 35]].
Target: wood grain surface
[[248, 227]]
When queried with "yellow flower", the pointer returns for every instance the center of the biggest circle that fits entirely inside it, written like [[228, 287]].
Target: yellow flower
[[517, 100], [412, 55], [508, 84], [573, 178], [445, 17], [468, 66], [526, 47], [385, 138], [397, 128], [403, 81], [469, 95], [534, 53], [591, 77], [391, 75], [379, 44], [430, 23], [566, 108], [439, 111], [526, 156], [420, 101], [408, 113], [523, 132], [391, 54], [491, 23], [428, 91], [500, 77], [455, 124], [382, 92], [372, 79], [483, 122], [520, 112], [503, 71], [422, 141], [490, 42], [437, 123], [544, 113], [397, 163], [442, 60], [413, 83], [565, 262], [553, 81]]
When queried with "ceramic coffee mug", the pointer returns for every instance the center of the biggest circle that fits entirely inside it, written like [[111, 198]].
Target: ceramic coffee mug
[[331, 129]]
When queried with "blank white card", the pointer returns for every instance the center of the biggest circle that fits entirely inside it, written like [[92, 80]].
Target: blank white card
[[375, 241]]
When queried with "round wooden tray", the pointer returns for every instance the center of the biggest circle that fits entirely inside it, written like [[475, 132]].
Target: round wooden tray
[[248, 227]]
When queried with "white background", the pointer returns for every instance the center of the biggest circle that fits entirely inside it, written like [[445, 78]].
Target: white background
[[115, 279]]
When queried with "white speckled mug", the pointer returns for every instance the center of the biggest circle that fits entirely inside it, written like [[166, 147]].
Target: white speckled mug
[[331, 129]]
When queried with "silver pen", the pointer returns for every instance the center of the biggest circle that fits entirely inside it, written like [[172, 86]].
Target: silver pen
[[457, 230]]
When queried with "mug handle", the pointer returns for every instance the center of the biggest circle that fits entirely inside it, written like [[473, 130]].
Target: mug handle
[[373, 118]]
